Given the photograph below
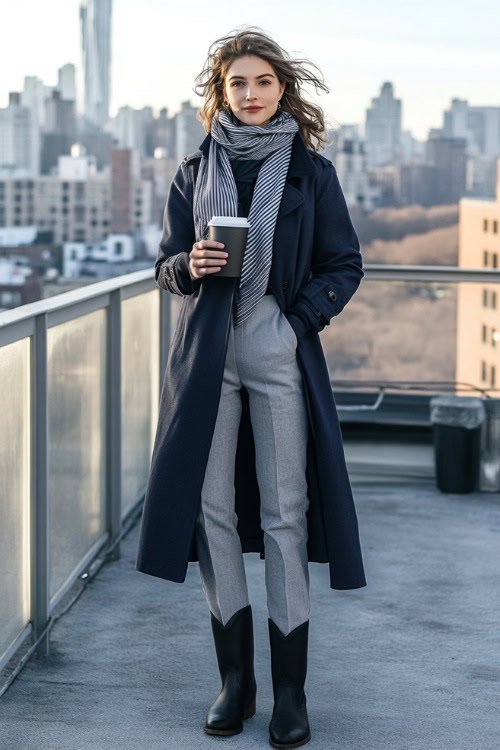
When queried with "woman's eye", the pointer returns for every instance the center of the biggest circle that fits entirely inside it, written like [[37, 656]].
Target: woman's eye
[[237, 82]]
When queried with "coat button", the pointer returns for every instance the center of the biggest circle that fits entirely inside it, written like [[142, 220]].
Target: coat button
[[285, 285], [332, 294]]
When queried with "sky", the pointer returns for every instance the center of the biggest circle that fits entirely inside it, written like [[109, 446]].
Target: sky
[[432, 52]]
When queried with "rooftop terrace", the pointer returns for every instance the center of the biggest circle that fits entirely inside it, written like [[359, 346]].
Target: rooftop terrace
[[410, 661], [94, 654]]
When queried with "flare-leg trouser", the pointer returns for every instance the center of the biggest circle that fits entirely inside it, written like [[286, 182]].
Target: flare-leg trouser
[[261, 355]]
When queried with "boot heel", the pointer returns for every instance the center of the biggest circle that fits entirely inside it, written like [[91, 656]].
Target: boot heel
[[250, 711]]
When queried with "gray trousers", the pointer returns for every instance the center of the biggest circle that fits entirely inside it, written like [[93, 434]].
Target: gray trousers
[[261, 356]]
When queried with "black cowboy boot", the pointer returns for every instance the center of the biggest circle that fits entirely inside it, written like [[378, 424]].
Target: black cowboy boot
[[289, 726], [234, 646]]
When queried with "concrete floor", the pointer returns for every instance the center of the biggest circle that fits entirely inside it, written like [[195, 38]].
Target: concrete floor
[[411, 662]]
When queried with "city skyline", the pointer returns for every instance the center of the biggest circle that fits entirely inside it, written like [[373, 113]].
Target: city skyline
[[430, 58]]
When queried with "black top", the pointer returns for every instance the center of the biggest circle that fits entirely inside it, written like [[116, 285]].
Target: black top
[[245, 172]]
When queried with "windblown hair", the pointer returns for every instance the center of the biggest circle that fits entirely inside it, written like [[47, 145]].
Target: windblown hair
[[253, 41]]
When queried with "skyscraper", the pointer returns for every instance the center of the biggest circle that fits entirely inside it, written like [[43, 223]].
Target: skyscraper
[[95, 26], [383, 127]]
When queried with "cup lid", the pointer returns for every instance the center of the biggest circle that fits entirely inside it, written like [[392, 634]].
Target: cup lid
[[229, 221]]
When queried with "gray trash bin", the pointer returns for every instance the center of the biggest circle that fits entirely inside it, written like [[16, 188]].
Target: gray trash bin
[[489, 471], [456, 427]]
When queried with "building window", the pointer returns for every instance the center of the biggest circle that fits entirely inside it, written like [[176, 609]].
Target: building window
[[494, 300], [483, 370], [485, 333], [485, 258], [492, 374], [11, 298], [495, 260], [118, 248], [485, 225], [495, 227], [493, 337]]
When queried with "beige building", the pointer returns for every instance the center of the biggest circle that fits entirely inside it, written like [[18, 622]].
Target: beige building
[[478, 305], [78, 203], [76, 210]]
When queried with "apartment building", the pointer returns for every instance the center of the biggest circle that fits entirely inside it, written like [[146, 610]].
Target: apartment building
[[478, 305], [75, 210]]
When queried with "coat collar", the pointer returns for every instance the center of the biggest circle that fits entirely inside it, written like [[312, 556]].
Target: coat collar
[[300, 160]]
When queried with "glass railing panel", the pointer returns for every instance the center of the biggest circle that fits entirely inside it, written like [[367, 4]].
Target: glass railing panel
[[77, 441], [140, 390], [14, 491]]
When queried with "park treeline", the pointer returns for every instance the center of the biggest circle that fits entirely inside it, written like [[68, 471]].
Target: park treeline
[[390, 223]]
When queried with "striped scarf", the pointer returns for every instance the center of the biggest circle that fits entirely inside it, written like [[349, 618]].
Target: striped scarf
[[216, 193]]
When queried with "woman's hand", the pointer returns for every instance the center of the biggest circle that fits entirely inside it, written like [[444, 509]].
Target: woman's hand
[[203, 261]]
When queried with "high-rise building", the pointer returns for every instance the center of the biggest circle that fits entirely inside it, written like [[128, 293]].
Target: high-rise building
[[164, 134], [478, 305], [480, 126], [415, 184], [133, 128], [66, 81], [448, 156], [383, 128], [17, 142], [95, 22], [349, 157], [189, 132]]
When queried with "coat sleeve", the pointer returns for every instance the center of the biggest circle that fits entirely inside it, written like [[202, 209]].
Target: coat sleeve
[[336, 266], [172, 262]]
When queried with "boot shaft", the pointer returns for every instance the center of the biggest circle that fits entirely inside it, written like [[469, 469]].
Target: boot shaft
[[289, 658]]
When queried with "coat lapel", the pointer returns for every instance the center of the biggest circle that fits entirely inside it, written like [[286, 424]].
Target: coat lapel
[[300, 165]]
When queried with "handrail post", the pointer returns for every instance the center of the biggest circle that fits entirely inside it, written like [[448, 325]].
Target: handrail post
[[39, 505], [114, 421]]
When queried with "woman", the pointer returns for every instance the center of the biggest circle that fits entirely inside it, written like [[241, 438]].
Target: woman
[[248, 455]]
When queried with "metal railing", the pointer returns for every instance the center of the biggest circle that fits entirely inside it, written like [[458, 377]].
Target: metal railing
[[28, 494]]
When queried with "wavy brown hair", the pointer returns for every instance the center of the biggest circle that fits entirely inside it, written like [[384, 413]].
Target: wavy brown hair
[[253, 41]]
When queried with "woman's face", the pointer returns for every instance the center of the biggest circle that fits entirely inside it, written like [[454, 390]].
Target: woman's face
[[251, 81]]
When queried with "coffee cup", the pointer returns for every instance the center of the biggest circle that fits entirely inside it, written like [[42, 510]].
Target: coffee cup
[[233, 232]]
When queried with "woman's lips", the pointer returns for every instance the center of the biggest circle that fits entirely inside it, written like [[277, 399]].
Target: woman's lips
[[252, 109]]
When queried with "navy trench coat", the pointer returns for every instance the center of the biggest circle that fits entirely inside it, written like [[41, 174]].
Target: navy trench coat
[[316, 268]]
